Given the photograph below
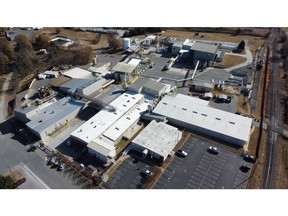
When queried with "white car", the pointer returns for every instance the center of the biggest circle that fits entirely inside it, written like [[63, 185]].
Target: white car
[[147, 172], [182, 153]]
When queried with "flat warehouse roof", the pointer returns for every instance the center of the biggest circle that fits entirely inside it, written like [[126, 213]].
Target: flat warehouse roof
[[53, 113], [134, 61], [102, 147], [125, 122], [158, 137], [78, 73], [192, 100], [124, 67], [204, 47], [100, 122], [216, 120]]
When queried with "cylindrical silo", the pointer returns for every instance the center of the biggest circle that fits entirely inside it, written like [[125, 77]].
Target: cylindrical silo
[[126, 43]]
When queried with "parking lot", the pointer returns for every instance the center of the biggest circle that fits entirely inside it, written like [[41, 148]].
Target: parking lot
[[203, 170], [127, 175]]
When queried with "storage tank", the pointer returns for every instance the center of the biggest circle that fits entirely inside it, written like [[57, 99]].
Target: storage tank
[[126, 43]]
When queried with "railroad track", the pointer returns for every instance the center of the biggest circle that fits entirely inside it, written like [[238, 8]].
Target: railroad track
[[272, 141]]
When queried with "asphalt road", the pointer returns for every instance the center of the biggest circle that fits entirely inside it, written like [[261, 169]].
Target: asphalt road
[[203, 170], [13, 153]]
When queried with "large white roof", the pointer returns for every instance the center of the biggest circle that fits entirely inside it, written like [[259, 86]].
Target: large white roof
[[125, 122], [216, 120], [78, 73], [192, 100], [158, 137], [102, 147], [100, 122], [135, 61]]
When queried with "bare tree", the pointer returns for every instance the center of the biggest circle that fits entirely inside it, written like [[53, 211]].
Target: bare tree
[[113, 42]]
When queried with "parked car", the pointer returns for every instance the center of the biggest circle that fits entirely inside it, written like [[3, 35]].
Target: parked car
[[61, 166], [20, 181], [249, 158], [147, 172], [213, 150], [245, 168], [182, 153], [52, 160]]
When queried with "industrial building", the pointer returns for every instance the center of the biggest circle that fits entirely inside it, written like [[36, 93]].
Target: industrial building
[[202, 86], [203, 51], [45, 119], [148, 86], [78, 73], [108, 126], [123, 72], [157, 140], [229, 127], [192, 51]]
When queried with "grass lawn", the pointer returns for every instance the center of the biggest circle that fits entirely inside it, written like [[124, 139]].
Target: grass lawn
[[230, 60], [83, 37]]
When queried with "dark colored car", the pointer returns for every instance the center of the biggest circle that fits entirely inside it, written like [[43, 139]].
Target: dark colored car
[[20, 181], [182, 153], [249, 158], [213, 150], [245, 168]]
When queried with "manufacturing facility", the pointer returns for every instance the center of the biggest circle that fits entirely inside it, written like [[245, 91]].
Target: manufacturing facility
[[201, 86], [78, 73], [192, 51], [226, 126], [45, 119], [157, 140], [108, 126], [124, 72], [148, 86]]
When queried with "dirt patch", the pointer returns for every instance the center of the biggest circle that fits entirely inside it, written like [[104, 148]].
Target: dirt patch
[[256, 179], [230, 60], [242, 106], [282, 170]]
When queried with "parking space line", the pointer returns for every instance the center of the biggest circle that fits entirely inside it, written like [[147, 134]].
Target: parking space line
[[201, 171], [161, 182], [174, 166], [156, 186], [194, 177], [195, 183], [208, 179], [222, 156], [214, 173], [206, 161], [200, 175], [203, 187], [177, 162], [209, 175], [208, 157], [164, 180], [218, 162], [191, 186], [180, 159], [202, 168], [208, 184], [132, 186], [216, 166]]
